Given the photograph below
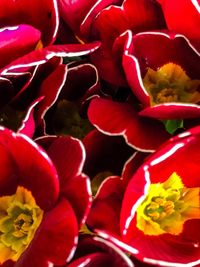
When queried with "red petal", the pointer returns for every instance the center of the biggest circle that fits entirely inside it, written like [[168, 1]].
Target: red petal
[[68, 156], [30, 167], [107, 201], [16, 42], [42, 15], [121, 119], [50, 89], [182, 16], [28, 123], [171, 111]]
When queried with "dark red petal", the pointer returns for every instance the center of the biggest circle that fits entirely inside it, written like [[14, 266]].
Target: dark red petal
[[54, 240], [74, 12], [16, 42], [97, 259], [68, 155], [49, 90], [121, 119], [30, 167], [131, 67], [28, 123], [104, 62], [90, 244], [6, 92], [8, 171], [105, 153], [107, 201], [87, 23], [82, 82], [182, 16], [131, 166], [43, 15]]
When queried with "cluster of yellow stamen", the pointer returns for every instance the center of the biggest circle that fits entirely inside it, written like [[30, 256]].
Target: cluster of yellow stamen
[[170, 83], [159, 208], [167, 207], [19, 219]]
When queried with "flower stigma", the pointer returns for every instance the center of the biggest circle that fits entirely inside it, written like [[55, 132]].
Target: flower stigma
[[19, 219], [167, 207], [170, 83]]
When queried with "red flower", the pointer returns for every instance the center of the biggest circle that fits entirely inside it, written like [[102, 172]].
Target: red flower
[[105, 21], [158, 213], [165, 78], [40, 199]]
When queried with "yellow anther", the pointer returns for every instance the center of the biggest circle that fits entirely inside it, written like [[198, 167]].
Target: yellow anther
[[169, 207], [154, 215], [153, 206], [160, 201]]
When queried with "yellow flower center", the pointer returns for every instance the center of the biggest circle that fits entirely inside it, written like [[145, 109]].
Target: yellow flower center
[[167, 207], [170, 83], [19, 219]]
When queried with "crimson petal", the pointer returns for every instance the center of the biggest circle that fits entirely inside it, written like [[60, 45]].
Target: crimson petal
[[68, 155], [43, 15], [121, 119], [27, 165]]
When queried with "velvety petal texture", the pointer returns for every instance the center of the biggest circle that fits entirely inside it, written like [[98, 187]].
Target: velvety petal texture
[[17, 41], [42, 15], [109, 155]]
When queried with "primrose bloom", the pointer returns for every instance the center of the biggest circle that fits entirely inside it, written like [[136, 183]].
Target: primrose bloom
[[165, 77], [165, 82], [105, 21], [156, 211], [40, 207]]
